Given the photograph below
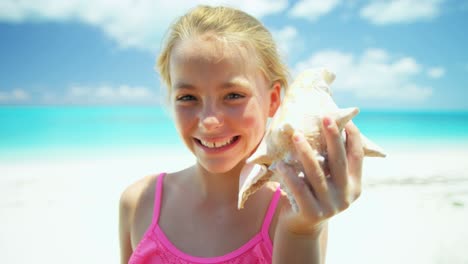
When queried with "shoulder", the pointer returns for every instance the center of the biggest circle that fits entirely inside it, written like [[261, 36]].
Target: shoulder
[[134, 194], [140, 194], [267, 194], [130, 201], [283, 202], [272, 187]]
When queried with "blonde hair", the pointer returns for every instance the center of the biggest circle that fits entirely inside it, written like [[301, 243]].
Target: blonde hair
[[232, 26]]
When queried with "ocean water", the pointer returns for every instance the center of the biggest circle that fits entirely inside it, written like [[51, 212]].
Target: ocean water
[[41, 130]]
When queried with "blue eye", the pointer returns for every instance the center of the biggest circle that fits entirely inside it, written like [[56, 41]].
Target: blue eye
[[185, 98]]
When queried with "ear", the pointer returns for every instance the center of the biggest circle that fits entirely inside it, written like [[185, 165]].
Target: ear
[[275, 98]]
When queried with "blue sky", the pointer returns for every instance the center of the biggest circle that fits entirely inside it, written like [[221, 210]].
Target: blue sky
[[401, 54]]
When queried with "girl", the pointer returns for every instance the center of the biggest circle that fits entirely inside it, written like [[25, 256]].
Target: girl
[[224, 80]]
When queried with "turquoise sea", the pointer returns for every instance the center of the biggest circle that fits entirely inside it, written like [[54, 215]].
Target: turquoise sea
[[41, 130]]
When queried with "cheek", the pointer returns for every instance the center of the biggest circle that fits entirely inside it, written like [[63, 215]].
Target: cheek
[[254, 119], [183, 118]]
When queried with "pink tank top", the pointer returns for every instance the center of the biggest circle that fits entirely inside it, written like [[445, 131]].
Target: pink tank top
[[155, 247]]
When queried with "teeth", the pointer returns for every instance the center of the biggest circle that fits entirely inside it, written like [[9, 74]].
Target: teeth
[[216, 144]]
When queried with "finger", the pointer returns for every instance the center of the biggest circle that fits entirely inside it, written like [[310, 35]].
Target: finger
[[304, 197], [336, 152], [312, 169], [355, 152]]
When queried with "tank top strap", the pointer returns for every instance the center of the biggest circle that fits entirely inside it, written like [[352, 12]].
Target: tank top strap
[[270, 213], [157, 198]]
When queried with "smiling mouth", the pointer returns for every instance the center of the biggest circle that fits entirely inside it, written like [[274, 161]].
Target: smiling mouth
[[217, 144]]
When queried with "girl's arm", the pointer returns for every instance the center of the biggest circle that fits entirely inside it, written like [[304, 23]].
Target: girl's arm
[[298, 248], [300, 237], [125, 211]]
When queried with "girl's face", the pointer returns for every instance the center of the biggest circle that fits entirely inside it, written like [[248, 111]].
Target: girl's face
[[221, 102]]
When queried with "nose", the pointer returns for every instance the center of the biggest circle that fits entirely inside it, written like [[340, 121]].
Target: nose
[[211, 118]]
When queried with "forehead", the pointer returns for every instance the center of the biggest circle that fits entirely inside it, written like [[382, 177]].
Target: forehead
[[210, 49]]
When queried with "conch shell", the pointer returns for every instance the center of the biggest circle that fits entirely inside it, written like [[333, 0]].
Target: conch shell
[[305, 103]]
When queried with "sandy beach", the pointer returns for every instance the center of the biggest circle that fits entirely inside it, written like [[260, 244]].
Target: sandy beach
[[64, 209]]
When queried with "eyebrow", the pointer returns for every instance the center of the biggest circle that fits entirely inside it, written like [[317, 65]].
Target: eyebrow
[[235, 82], [182, 85]]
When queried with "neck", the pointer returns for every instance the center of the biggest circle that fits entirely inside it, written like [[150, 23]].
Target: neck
[[218, 188]]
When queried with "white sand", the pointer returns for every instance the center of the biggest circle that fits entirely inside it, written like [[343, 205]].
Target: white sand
[[413, 208]]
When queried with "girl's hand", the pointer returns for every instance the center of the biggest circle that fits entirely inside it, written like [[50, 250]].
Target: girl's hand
[[318, 196]]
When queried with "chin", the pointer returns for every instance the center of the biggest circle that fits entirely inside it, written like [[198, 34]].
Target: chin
[[218, 167]]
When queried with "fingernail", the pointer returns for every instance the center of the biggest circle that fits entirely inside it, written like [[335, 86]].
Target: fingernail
[[298, 137], [327, 122]]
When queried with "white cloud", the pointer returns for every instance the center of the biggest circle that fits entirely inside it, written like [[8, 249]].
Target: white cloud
[[257, 8], [401, 11], [436, 72], [14, 96], [374, 74], [85, 95], [288, 40], [406, 65], [139, 24], [313, 9], [105, 94]]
